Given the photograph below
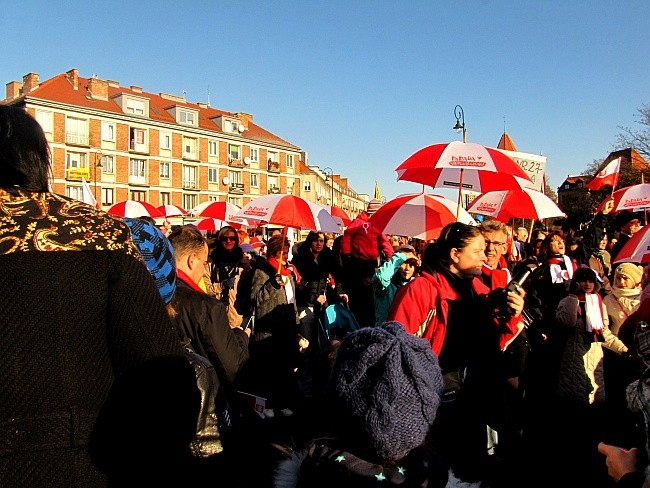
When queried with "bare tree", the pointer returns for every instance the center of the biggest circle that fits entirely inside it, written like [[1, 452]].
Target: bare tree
[[638, 139]]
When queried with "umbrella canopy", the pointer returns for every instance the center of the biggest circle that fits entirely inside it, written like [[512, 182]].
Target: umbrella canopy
[[506, 204], [339, 215], [633, 198], [418, 215], [637, 249], [481, 168], [171, 211], [289, 211], [134, 209], [210, 225], [216, 210]]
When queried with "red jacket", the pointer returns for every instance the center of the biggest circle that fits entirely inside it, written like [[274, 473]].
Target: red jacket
[[364, 241], [430, 295]]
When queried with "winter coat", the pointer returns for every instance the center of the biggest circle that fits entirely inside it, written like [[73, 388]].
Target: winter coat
[[386, 282], [202, 319], [365, 241], [79, 311], [581, 368], [620, 303], [316, 277]]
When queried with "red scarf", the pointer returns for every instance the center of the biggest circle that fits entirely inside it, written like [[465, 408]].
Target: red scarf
[[187, 280], [284, 269]]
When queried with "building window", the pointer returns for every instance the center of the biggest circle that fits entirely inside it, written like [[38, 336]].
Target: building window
[[46, 119], [307, 186], [165, 198], [164, 169], [235, 201], [255, 181], [139, 195], [138, 139], [567, 186], [213, 148], [234, 151], [108, 165], [108, 131], [213, 175], [234, 126], [189, 147], [165, 140], [188, 118], [75, 160], [137, 168], [75, 192], [289, 160], [255, 154], [135, 107], [213, 198], [189, 178], [273, 156], [108, 196], [234, 177], [190, 200], [76, 131]]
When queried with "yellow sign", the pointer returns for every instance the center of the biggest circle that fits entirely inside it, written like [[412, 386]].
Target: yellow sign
[[78, 173]]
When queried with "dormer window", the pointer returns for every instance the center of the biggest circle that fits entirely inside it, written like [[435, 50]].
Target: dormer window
[[135, 107], [187, 117], [131, 104]]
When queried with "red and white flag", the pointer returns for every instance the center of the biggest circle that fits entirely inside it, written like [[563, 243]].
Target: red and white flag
[[607, 176], [87, 194]]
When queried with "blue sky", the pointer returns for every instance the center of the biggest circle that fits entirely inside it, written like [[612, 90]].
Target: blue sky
[[361, 85]]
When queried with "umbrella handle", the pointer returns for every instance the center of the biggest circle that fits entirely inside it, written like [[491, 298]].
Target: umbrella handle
[[460, 194], [279, 273]]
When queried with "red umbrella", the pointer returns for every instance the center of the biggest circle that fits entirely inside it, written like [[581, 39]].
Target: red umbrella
[[506, 204], [637, 249], [134, 209], [633, 198], [216, 210], [210, 225], [289, 211], [171, 210], [418, 215], [482, 168]]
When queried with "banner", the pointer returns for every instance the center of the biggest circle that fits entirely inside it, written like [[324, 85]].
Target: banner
[[533, 164]]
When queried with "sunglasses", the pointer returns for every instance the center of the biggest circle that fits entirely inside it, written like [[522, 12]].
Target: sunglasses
[[228, 238]]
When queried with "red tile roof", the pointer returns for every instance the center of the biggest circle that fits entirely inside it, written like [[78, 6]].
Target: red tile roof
[[506, 143]]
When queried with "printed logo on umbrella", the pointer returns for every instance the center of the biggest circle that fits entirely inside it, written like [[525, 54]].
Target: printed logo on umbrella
[[257, 211], [467, 161], [636, 202], [486, 207]]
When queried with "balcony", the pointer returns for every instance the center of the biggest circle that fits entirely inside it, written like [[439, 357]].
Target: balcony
[[138, 147], [190, 185], [237, 188], [235, 162], [274, 189], [273, 166], [76, 138]]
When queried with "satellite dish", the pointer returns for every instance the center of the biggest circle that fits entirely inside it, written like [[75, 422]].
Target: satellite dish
[[241, 128], [247, 160], [225, 180]]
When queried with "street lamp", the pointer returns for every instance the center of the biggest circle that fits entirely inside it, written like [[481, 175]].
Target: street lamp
[[460, 121], [459, 113], [98, 164], [331, 178]]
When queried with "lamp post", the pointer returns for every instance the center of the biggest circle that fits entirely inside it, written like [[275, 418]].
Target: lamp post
[[331, 178], [98, 164], [459, 113]]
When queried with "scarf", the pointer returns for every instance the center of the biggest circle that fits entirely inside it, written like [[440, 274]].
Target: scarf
[[593, 311], [285, 272], [188, 281], [560, 274], [284, 269]]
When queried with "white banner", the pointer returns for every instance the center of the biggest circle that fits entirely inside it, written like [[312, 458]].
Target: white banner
[[533, 164]]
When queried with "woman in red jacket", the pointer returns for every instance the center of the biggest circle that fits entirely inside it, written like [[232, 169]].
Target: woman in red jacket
[[468, 326]]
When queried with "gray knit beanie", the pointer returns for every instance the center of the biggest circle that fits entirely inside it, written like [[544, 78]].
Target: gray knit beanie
[[388, 384]]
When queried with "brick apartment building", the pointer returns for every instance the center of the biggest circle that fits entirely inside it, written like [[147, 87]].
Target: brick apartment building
[[160, 148]]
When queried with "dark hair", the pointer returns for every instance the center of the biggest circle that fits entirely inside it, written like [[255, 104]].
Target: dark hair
[[545, 250], [275, 244], [24, 152], [226, 229], [313, 236], [455, 235], [584, 273], [186, 239]]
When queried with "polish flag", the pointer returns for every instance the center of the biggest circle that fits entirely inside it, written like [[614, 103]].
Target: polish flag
[[87, 194], [607, 176]]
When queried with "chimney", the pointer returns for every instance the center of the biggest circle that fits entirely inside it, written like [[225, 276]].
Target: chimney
[[30, 82], [13, 90], [73, 78], [246, 119], [98, 88], [136, 89]]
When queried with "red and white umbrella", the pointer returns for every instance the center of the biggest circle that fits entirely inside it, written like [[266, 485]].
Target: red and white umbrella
[[637, 249], [339, 215], [171, 210], [635, 197], [506, 204], [289, 211], [469, 166], [216, 210], [418, 215], [134, 209], [210, 225]]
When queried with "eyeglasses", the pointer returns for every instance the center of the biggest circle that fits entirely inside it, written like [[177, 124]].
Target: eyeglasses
[[228, 238], [494, 243]]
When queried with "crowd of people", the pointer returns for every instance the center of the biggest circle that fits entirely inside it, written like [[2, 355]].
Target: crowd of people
[[140, 355]]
